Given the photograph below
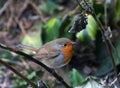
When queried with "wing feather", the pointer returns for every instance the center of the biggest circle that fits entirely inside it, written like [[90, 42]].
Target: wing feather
[[43, 53]]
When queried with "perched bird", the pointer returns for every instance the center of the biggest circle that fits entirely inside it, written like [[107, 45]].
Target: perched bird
[[55, 54]]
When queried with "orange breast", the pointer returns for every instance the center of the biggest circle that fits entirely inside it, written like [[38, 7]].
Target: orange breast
[[67, 53]]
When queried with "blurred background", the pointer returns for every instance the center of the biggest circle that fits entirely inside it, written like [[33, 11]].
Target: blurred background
[[35, 22]]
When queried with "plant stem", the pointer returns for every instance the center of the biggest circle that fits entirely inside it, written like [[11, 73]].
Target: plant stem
[[107, 43], [18, 73], [51, 71], [108, 46]]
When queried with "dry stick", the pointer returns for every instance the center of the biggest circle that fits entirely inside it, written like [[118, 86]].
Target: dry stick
[[108, 45], [79, 3], [105, 13], [106, 27], [22, 9], [12, 62], [51, 71], [4, 7], [109, 41], [38, 10], [18, 73], [20, 24]]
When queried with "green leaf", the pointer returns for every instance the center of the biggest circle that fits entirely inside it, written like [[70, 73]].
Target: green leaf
[[117, 10], [34, 38], [51, 29], [103, 58], [88, 34], [31, 75], [49, 6], [20, 83], [6, 54], [117, 46], [75, 78]]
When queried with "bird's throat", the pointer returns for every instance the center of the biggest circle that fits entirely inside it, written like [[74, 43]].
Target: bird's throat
[[67, 55]]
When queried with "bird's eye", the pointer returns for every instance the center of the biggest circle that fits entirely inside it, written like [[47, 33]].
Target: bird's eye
[[65, 44]]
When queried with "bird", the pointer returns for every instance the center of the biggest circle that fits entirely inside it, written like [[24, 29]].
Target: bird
[[56, 53]]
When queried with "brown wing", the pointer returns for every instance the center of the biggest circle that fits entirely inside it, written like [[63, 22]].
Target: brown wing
[[43, 53]]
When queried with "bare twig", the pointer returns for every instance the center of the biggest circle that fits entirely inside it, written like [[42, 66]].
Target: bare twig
[[10, 22], [24, 6], [4, 7], [79, 3], [18, 73], [107, 43], [11, 62], [105, 13], [38, 11], [20, 24], [51, 71]]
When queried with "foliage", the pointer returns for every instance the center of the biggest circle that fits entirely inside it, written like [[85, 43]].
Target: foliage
[[34, 32], [103, 56], [75, 78], [88, 34], [48, 7], [117, 11], [33, 39], [51, 29]]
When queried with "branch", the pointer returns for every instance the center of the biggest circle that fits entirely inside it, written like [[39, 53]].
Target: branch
[[18, 73], [4, 7], [51, 71], [38, 11], [108, 45], [106, 41]]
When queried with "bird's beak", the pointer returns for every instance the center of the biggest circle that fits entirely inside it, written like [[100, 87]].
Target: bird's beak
[[74, 43]]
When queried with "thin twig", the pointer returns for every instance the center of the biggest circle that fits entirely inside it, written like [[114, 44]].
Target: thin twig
[[105, 13], [4, 7], [18, 73], [24, 6], [11, 62], [51, 71], [79, 3], [38, 11], [108, 45], [20, 24]]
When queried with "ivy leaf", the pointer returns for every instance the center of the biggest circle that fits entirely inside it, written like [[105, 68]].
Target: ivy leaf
[[89, 33], [33, 38], [75, 78], [103, 58], [49, 6], [51, 29]]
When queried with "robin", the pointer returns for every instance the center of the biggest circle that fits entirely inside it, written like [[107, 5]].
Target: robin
[[56, 53]]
